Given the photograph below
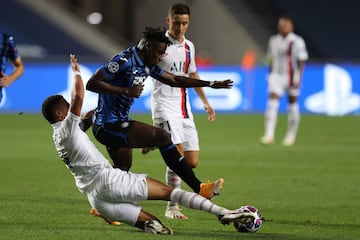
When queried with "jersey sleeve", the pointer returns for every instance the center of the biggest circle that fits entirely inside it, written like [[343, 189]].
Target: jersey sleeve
[[301, 48], [69, 124], [269, 49], [13, 53], [156, 71], [116, 65]]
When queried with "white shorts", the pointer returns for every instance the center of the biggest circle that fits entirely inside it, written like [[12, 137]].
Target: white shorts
[[183, 131], [115, 193], [280, 83]]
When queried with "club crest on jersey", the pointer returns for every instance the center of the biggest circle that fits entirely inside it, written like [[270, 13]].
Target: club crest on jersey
[[113, 67]]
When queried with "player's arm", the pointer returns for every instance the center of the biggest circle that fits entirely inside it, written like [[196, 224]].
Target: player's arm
[[99, 84], [77, 91], [187, 82], [7, 80], [298, 74], [201, 93]]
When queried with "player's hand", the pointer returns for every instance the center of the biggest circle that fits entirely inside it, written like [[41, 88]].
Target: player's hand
[[135, 91], [211, 113], [74, 64], [2, 80], [222, 84]]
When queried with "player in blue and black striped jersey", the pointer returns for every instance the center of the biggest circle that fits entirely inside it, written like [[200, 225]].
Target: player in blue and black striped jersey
[[118, 83], [8, 51]]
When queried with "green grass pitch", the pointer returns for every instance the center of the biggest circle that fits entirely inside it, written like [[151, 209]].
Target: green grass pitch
[[309, 191]]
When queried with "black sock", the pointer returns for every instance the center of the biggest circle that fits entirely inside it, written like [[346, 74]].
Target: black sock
[[180, 166]]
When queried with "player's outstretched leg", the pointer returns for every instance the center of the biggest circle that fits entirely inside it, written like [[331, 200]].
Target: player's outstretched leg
[[195, 201], [181, 167], [172, 209]]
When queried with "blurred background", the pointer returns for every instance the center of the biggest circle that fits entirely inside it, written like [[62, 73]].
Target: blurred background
[[230, 39]]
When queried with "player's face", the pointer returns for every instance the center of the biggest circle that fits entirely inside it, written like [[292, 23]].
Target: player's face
[[155, 53], [285, 26], [178, 25]]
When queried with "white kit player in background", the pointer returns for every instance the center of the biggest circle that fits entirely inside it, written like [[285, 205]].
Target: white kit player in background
[[287, 53], [170, 106]]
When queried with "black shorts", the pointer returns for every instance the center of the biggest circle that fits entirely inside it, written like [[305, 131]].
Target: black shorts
[[113, 135]]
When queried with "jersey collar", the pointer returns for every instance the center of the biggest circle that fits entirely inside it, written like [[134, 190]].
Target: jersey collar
[[174, 41], [136, 56]]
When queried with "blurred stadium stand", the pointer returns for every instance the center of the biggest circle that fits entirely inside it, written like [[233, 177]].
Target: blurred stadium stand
[[47, 29], [328, 27], [46, 32]]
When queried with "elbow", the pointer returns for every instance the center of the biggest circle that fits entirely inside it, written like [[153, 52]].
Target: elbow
[[90, 85], [21, 71], [77, 97]]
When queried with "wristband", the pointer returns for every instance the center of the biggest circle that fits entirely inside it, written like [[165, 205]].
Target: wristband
[[211, 83], [77, 73]]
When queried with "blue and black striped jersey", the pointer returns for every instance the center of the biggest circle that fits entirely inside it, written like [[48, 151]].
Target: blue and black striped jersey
[[7, 50], [124, 70]]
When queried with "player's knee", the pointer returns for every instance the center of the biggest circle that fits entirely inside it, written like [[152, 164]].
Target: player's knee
[[193, 164]]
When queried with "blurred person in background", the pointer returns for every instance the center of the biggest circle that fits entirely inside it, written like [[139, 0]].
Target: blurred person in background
[[287, 54], [171, 109], [8, 51]]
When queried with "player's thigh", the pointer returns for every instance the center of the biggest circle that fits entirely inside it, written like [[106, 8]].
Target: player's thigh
[[121, 186], [113, 135], [172, 126], [277, 84], [145, 135], [190, 135]]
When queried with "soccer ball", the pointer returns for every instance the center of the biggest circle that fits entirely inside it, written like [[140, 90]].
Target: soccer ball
[[252, 226]]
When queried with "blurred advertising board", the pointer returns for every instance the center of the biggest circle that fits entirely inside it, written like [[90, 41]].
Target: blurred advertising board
[[326, 89]]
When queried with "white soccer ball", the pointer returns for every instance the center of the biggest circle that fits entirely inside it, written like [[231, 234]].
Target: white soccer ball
[[252, 226]]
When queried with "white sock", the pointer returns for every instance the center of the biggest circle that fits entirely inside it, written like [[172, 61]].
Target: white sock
[[293, 120], [196, 201], [271, 117], [173, 180]]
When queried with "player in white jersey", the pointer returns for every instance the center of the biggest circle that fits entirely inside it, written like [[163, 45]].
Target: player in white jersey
[[111, 191], [170, 107], [287, 53]]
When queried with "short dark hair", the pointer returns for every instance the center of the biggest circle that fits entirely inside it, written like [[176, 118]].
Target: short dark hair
[[49, 107], [286, 17], [157, 34], [179, 8]]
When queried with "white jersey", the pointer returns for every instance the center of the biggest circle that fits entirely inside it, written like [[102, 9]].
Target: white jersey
[[79, 154], [286, 52], [173, 102]]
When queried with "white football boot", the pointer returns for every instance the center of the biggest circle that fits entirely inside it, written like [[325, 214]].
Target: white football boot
[[155, 227]]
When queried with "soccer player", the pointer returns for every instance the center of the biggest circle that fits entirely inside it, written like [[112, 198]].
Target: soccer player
[[287, 53], [111, 191], [8, 51], [171, 108], [118, 83]]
